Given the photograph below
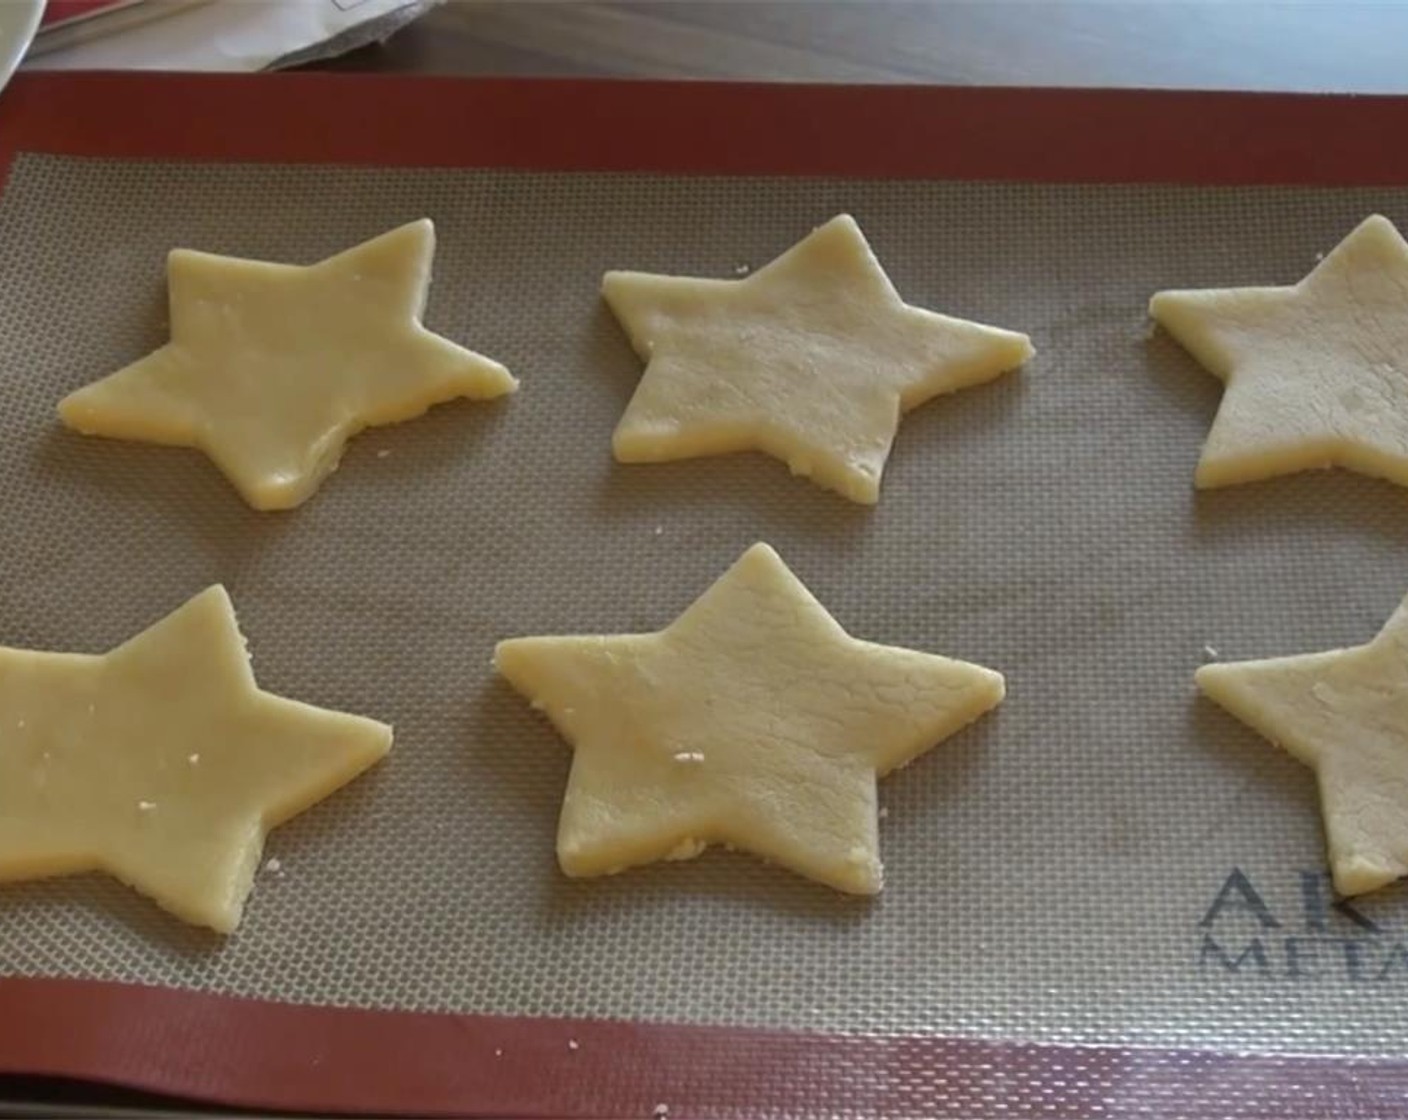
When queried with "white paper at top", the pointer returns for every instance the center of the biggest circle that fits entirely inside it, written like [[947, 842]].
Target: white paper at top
[[228, 35]]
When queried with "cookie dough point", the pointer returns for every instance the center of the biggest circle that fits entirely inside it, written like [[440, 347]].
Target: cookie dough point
[[811, 359], [162, 763], [272, 367], [753, 721], [1316, 373]]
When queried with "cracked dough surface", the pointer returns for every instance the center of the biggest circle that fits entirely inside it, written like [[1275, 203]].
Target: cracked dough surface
[[811, 359], [753, 721], [1345, 713], [272, 367], [162, 763], [1316, 373]]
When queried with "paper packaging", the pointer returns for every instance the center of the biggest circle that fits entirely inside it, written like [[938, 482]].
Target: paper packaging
[[200, 35], [1086, 864]]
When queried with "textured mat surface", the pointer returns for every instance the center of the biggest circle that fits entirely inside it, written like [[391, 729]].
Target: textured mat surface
[[1047, 871]]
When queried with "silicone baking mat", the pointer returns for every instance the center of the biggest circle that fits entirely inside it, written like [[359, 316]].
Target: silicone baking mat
[[1105, 899]]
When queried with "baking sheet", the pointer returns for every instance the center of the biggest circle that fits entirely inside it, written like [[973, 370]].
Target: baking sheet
[[1047, 871]]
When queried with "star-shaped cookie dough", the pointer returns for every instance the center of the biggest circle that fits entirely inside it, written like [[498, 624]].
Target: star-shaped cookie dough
[[752, 721], [1345, 713], [812, 359], [1316, 373], [272, 367], [162, 763]]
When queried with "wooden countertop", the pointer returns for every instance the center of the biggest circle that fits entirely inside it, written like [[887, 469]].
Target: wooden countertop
[[1313, 45]]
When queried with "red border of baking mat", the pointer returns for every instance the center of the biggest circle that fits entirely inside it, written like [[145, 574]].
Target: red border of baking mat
[[1060, 135], [282, 1057], [285, 1057]]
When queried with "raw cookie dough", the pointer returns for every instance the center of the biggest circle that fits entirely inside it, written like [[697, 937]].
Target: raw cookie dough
[[811, 359], [162, 763], [1344, 712], [752, 721], [271, 367], [1317, 373]]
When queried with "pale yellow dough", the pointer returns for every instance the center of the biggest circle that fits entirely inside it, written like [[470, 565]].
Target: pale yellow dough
[[752, 721], [162, 763], [811, 359], [1316, 373], [1345, 713], [272, 367]]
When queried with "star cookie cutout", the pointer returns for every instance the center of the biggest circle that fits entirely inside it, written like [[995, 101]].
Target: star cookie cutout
[[272, 367], [811, 359], [1316, 373], [1345, 713], [161, 762], [752, 721]]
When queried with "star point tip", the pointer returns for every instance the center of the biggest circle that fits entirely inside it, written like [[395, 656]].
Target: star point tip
[[1376, 222], [992, 684], [1213, 674], [514, 655], [761, 552], [1359, 873]]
